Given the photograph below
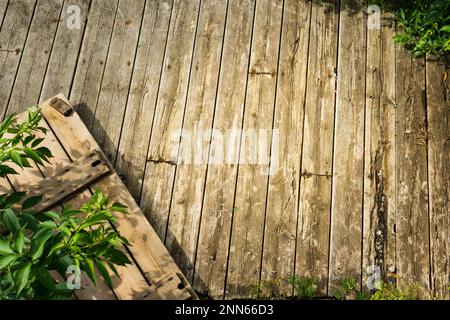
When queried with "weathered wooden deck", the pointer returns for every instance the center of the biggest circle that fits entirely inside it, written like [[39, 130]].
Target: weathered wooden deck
[[363, 143]]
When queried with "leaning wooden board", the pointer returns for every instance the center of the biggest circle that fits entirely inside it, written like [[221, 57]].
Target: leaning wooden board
[[152, 264]]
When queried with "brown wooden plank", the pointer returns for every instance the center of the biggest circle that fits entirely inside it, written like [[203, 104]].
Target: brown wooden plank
[[215, 226], [251, 188], [317, 154], [168, 118], [146, 248], [31, 72], [185, 211], [112, 99], [347, 189], [438, 114], [132, 154], [3, 7], [412, 228], [64, 55], [379, 165], [282, 200], [12, 39], [91, 62]]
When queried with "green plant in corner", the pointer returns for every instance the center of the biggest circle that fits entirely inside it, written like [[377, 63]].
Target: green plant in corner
[[305, 288], [35, 245]]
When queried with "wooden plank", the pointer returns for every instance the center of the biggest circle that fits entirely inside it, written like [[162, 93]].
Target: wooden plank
[[412, 228], [91, 62], [215, 226], [38, 46], [278, 260], [132, 155], [64, 55], [348, 161], [379, 155], [317, 152], [438, 114], [251, 188], [112, 99], [185, 211], [3, 7], [146, 248], [12, 39], [168, 118]]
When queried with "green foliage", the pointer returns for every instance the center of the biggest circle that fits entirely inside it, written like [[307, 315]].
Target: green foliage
[[388, 291], [305, 288], [347, 286], [36, 245], [267, 290], [423, 26]]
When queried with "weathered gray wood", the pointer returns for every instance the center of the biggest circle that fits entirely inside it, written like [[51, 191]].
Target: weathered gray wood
[[379, 154], [282, 199], [63, 59], [347, 190], [412, 229], [251, 188], [132, 154], [3, 7], [91, 62], [12, 39], [438, 114], [112, 99], [31, 72], [185, 211], [215, 226], [317, 153], [168, 118]]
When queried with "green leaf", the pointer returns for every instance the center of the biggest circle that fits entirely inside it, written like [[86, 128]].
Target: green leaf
[[14, 198], [113, 268], [118, 257], [10, 220], [52, 215], [33, 155], [4, 247], [46, 279], [7, 260], [37, 142], [45, 151], [38, 245], [4, 170], [15, 157], [48, 224], [28, 139], [31, 202], [90, 270], [104, 272], [21, 278], [445, 28], [20, 239], [119, 207]]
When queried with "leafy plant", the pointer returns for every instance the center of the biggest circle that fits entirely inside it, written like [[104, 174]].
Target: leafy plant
[[423, 26], [388, 291], [305, 288], [36, 245], [346, 287], [267, 290]]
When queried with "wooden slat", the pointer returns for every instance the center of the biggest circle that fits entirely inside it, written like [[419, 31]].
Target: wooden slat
[[317, 152], [64, 55], [379, 154], [185, 211], [168, 118], [215, 226], [282, 199], [146, 248], [31, 73], [12, 39], [3, 7], [132, 155], [412, 230], [251, 188], [91, 62], [347, 190], [112, 99], [438, 114]]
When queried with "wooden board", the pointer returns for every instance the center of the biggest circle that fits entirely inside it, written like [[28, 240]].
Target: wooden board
[[348, 161], [217, 209], [251, 188]]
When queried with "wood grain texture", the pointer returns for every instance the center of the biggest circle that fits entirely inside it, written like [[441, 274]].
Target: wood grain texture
[[12, 40], [251, 188], [317, 151], [412, 228], [91, 62], [438, 114], [112, 99], [3, 7], [31, 73], [282, 199], [133, 146], [215, 226], [380, 155], [348, 161]]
